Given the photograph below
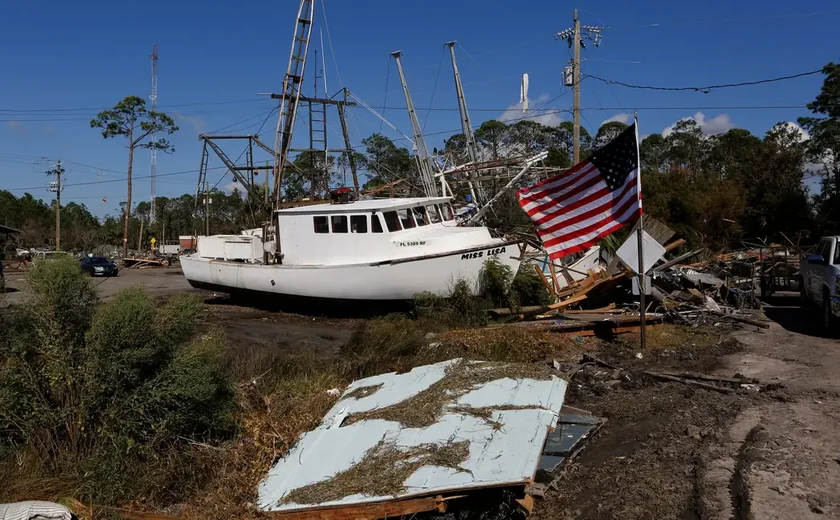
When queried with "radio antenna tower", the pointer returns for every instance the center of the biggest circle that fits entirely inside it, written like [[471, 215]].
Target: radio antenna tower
[[153, 159]]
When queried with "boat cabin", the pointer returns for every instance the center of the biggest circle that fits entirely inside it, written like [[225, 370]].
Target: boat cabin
[[371, 230]]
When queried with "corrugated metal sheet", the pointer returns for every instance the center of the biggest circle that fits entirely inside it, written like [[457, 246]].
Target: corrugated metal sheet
[[497, 455]]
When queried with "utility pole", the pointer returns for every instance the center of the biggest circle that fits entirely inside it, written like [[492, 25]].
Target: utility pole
[[153, 158], [140, 238], [55, 187], [574, 36], [424, 162]]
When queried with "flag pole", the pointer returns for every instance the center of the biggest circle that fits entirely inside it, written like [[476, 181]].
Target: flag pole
[[642, 270]]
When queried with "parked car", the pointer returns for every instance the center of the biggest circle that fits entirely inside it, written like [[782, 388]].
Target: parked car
[[99, 266], [819, 278]]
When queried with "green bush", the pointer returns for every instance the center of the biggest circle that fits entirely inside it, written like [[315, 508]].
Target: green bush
[[461, 308], [527, 288], [494, 283], [103, 392]]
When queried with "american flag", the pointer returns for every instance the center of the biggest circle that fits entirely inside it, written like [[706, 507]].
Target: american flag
[[579, 207]]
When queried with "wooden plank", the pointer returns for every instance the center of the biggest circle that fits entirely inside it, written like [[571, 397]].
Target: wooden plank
[[549, 286], [553, 272], [609, 309], [554, 306], [395, 509], [675, 244]]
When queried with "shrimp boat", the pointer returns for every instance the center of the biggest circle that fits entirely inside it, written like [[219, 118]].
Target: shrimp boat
[[360, 251]]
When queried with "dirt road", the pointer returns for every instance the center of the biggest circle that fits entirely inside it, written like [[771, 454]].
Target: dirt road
[[786, 452], [167, 280], [672, 451]]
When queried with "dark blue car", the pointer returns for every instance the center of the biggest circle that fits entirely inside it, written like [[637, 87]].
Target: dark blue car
[[99, 266]]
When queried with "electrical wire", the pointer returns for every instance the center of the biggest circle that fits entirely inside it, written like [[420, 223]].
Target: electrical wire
[[434, 87], [730, 20], [329, 39], [99, 109], [708, 88], [385, 101], [240, 122], [134, 177], [246, 147]]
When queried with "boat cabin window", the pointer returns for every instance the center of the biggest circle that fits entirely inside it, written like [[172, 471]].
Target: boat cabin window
[[375, 224], [392, 220], [358, 223], [339, 224], [420, 215], [448, 214], [407, 218], [321, 224], [433, 214]]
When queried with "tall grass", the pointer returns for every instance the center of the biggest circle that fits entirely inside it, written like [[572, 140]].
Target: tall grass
[[99, 394]]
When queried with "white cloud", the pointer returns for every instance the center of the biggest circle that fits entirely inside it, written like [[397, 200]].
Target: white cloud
[[233, 185], [803, 135], [545, 115], [716, 125], [198, 123], [622, 117]]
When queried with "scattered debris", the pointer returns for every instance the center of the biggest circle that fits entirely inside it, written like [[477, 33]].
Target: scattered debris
[[35, 510], [398, 444], [690, 382]]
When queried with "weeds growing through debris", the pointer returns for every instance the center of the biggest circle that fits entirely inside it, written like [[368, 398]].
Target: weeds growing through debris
[[498, 288], [363, 391], [427, 407], [381, 472]]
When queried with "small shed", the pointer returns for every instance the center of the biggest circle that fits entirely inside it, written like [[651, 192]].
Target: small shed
[[6, 230]]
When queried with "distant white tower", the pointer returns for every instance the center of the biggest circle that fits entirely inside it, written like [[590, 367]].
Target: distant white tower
[[523, 93]]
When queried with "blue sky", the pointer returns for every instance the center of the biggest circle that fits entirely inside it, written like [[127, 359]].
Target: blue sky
[[64, 61]]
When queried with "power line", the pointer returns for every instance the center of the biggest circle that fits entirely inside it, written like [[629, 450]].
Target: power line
[[170, 174], [732, 20], [329, 39], [709, 88], [434, 88], [99, 109], [246, 148]]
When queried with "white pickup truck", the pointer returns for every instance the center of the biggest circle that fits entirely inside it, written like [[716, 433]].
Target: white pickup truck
[[819, 278]]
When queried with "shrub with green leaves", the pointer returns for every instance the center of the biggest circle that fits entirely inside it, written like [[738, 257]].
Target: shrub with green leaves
[[84, 385], [494, 283], [527, 288]]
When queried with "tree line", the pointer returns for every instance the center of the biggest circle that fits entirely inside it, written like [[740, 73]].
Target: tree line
[[714, 189]]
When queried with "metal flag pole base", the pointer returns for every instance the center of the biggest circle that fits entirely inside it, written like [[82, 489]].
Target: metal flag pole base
[[641, 275]]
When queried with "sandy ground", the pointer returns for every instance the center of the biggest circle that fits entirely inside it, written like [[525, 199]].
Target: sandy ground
[[668, 450], [161, 281]]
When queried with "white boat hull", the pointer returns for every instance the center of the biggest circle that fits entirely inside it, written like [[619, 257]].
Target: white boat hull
[[378, 281]]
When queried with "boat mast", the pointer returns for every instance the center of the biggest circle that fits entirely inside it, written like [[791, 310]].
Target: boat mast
[[290, 96], [466, 126], [421, 153]]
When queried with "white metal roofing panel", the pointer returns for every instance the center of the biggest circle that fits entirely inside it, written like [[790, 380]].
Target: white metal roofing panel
[[526, 410]]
